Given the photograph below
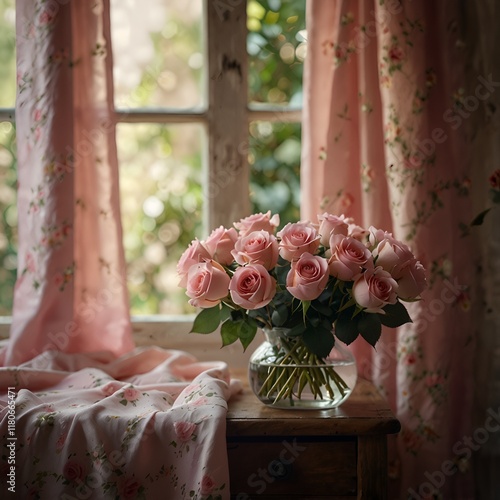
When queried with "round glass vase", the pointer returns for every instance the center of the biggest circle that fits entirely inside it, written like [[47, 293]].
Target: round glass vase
[[283, 373]]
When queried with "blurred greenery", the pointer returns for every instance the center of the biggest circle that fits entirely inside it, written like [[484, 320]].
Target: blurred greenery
[[158, 53], [161, 166], [161, 205], [7, 54], [8, 221], [275, 164], [276, 49], [8, 175]]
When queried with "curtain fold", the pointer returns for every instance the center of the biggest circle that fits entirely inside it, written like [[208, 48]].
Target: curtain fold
[[70, 294], [387, 140]]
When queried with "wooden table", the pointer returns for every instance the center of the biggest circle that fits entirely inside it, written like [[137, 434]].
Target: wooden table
[[310, 454]]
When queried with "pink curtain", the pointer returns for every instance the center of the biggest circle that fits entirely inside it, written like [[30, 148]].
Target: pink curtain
[[386, 141], [83, 414], [71, 294]]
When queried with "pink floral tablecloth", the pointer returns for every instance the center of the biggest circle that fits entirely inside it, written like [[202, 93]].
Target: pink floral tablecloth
[[148, 425]]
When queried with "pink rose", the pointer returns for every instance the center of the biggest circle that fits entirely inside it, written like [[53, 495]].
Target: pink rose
[[374, 289], [257, 247], [411, 279], [358, 233], [200, 401], [258, 222], [392, 255], [193, 254], [433, 380], [331, 224], [494, 179], [375, 235], [207, 284], [396, 54], [45, 18], [207, 485], [131, 394], [345, 201], [307, 277], [220, 243], [130, 488], [296, 239], [58, 280], [252, 286], [349, 257], [110, 388], [30, 262], [184, 430], [410, 358], [73, 471], [60, 442]]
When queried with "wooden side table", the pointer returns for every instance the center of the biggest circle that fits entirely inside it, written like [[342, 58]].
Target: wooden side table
[[310, 454]]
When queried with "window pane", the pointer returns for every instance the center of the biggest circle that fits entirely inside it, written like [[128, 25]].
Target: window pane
[[161, 202], [8, 222], [7, 54], [276, 49], [157, 53], [274, 159]]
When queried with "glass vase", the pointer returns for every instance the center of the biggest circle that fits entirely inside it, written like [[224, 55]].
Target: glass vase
[[283, 373]]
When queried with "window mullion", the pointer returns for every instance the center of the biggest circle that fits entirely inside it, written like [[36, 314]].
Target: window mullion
[[227, 186], [160, 116], [275, 115], [7, 115]]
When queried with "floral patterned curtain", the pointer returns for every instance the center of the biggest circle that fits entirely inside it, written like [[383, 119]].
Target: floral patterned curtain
[[70, 294], [386, 140]]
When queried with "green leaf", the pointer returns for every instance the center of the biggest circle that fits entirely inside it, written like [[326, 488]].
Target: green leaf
[[207, 320], [319, 341], [346, 328], [225, 312], [370, 327], [296, 330], [395, 315], [479, 219], [321, 308], [246, 333], [348, 304], [229, 332], [279, 315]]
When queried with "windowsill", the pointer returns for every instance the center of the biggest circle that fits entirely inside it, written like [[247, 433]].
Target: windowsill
[[172, 332]]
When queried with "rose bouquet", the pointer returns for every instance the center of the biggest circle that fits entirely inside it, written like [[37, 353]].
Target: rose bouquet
[[315, 282]]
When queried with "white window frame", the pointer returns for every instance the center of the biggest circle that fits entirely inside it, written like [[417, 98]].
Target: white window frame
[[226, 118]]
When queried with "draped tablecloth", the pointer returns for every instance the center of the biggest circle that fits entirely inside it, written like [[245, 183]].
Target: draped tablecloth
[[150, 424]]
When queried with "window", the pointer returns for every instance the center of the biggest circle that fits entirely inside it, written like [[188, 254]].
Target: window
[[195, 150], [8, 177]]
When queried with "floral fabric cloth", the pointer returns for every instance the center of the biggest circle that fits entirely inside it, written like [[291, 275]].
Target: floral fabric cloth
[[386, 140], [148, 425]]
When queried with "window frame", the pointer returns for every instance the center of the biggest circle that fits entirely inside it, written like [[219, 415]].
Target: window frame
[[226, 117]]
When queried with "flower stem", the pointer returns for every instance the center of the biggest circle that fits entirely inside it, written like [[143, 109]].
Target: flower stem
[[294, 368]]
